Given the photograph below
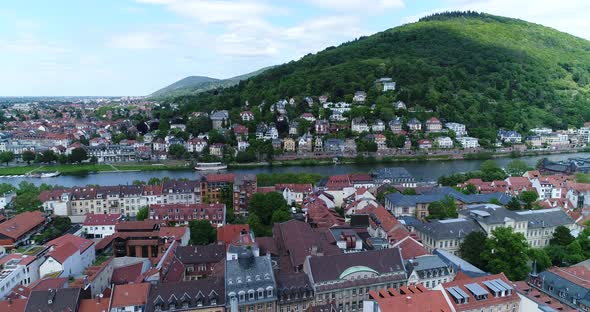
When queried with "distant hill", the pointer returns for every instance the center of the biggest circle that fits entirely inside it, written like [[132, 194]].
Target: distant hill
[[482, 70], [197, 84]]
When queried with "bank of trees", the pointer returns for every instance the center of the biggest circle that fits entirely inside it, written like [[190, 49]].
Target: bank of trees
[[508, 252]]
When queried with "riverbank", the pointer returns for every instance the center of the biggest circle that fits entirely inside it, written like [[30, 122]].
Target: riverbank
[[73, 169], [81, 169]]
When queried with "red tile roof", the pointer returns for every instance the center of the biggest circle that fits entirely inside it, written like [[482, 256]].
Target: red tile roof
[[299, 188], [410, 298], [130, 295], [94, 305], [171, 231], [13, 305], [411, 248], [474, 304], [225, 177], [231, 233], [126, 274], [80, 243], [22, 224], [338, 182], [62, 252], [578, 275], [145, 225], [49, 283], [101, 219]]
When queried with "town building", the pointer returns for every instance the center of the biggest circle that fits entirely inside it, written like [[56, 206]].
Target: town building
[[62, 299], [411, 298], [199, 295], [459, 129], [359, 125], [250, 283], [395, 176], [485, 293], [18, 230], [69, 255], [182, 214], [446, 234], [387, 83], [468, 142], [130, 297], [346, 279], [201, 262], [444, 142], [428, 271], [294, 292], [569, 286], [433, 125], [537, 226], [100, 225]]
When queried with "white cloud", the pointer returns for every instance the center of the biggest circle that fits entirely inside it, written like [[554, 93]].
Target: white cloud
[[29, 43], [359, 6], [219, 11], [137, 41]]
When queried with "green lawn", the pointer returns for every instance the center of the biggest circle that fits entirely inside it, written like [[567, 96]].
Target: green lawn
[[75, 168]]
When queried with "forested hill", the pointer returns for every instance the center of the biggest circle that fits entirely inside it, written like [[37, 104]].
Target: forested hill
[[482, 70], [196, 84]]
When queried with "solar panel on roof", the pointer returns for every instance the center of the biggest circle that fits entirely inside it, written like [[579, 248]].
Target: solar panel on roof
[[476, 290], [500, 286], [492, 286], [503, 284], [455, 294], [461, 292]]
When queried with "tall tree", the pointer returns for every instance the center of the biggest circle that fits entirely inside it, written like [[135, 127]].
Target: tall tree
[[78, 155], [142, 213], [561, 236], [263, 205], [529, 197], [514, 204], [516, 168], [28, 156], [507, 252], [472, 248], [6, 157], [202, 233], [541, 257]]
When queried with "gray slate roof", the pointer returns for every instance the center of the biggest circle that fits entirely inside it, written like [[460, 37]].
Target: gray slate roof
[[63, 299], [329, 268], [543, 218], [459, 264], [439, 193], [249, 273], [448, 229]]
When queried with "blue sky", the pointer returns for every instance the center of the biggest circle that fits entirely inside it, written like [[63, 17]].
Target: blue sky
[[134, 47]]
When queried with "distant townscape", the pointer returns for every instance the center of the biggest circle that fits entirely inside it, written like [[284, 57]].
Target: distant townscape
[[139, 130], [355, 242]]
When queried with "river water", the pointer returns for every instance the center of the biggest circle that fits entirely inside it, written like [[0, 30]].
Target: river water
[[422, 171]]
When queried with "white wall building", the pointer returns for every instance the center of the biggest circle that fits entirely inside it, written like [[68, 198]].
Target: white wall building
[[468, 142]]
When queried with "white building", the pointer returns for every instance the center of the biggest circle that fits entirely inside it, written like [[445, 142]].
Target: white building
[[458, 128], [444, 142], [468, 142], [359, 125], [540, 131], [100, 225], [11, 275], [6, 199], [68, 254]]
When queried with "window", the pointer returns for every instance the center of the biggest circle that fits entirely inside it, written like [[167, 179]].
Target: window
[[260, 294]]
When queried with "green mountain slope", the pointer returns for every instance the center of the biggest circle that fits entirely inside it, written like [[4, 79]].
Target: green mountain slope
[[197, 84], [482, 70]]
